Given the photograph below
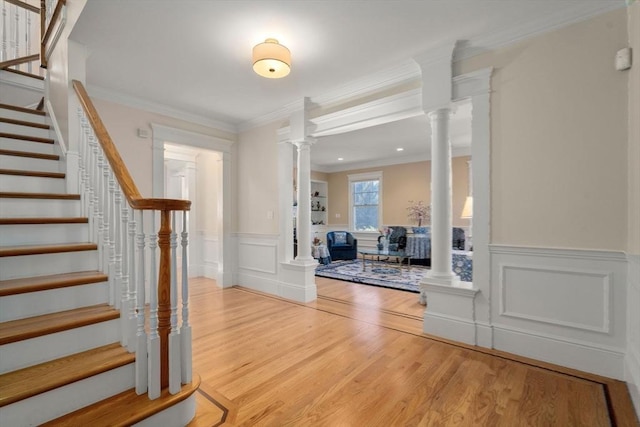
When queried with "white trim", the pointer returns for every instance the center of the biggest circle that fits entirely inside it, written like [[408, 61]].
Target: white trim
[[498, 39], [56, 128], [359, 177], [382, 110], [606, 278], [190, 138], [583, 355], [23, 82], [224, 124], [596, 255]]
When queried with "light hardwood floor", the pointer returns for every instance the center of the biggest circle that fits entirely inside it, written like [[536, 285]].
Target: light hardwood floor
[[357, 357]]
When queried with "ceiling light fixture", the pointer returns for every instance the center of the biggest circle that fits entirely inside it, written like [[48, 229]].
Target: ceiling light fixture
[[399, 149], [271, 59]]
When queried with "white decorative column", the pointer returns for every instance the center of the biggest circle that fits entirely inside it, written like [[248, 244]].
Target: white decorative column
[[441, 191], [296, 278], [304, 203]]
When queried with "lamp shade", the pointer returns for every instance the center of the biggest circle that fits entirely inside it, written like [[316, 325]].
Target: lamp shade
[[271, 59], [467, 209]]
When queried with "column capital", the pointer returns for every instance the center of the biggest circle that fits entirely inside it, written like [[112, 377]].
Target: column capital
[[440, 112], [307, 142]]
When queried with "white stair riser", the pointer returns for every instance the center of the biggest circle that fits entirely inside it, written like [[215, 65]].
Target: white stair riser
[[21, 306], [29, 164], [14, 267], [36, 208], [22, 354], [28, 146], [25, 117], [32, 184], [41, 234], [25, 130], [55, 403]]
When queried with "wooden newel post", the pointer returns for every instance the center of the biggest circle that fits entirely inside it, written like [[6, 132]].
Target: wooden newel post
[[164, 296]]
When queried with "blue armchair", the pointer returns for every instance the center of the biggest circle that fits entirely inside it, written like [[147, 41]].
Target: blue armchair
[[342, 245]]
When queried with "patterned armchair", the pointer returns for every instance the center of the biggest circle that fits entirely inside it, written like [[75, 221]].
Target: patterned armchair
[[397, 238], [458, 238], [342, 245]]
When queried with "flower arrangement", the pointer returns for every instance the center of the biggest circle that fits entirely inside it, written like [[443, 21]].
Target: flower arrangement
[[418, 211], [385, 231]]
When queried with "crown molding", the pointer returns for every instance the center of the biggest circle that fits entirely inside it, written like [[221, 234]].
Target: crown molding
[[130, 101], [391, 161], [391, 108], [561, 18], [401, 73]]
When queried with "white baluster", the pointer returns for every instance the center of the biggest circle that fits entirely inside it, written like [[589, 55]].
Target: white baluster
[[175, 370], [142, 378], [27, 17], [114, 225], [121, 264], [96, 186], [133, 280], [4, 54], [16, 29], [185, 330], [154, 338]]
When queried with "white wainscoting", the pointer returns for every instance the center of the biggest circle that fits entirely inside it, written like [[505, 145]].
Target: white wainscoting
[[210, 255], [632, 359], [258, 262], [562, 306]]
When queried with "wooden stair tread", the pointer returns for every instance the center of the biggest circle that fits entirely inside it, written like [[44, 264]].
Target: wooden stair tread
[[38, 174], [37, 326], [25, 383], [53, 281], [27, 138], [23, 109], [21, 195], [125, 409], [17, 153], [52, 248], [44, 220], [24, 123]]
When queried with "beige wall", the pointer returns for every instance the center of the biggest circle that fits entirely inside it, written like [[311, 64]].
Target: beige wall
[[400, 183], [633, 245], [258, 180], [559, 137], [123, 122], [207, 185]]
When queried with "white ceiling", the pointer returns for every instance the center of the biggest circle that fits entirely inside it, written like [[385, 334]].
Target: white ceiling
[[193, 58]]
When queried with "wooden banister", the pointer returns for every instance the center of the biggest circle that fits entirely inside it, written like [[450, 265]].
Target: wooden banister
[[24, 5], [18, 61], [120, 171]]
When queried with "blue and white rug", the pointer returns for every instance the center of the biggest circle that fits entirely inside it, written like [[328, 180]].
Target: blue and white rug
[[378, 275]]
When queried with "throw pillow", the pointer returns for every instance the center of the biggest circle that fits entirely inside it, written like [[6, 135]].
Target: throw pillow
[[340, 238]]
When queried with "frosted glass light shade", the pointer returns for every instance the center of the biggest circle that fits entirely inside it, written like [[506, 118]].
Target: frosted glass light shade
[[467, 209], [271, 59]]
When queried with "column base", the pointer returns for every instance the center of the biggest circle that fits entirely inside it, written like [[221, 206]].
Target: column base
[[450, 311], [297, 280]]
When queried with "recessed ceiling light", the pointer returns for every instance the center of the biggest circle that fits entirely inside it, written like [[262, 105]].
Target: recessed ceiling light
[[340, 159], [399, 149]]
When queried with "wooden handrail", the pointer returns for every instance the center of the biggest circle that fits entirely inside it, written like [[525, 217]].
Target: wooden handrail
[[24, 5], [18, 61], [54, 18], [117, 164]]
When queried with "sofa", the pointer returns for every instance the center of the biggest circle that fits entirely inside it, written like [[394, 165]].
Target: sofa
[[342, 245]]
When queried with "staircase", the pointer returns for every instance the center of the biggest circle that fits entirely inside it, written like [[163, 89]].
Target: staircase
[[61, 361]]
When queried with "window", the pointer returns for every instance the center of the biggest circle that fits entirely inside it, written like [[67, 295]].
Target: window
[[365, 199]]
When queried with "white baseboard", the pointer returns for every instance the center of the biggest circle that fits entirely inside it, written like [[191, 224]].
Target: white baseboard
[[276, 287], [450, 327], [586, 357]]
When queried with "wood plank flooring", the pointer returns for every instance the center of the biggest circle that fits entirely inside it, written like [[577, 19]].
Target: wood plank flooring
[[357, 357]]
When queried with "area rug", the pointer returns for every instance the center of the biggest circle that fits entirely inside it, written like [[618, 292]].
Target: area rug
[[380, 274]]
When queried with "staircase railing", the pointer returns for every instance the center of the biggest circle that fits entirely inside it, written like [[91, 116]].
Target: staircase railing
[[25, 44], [123, 230]]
